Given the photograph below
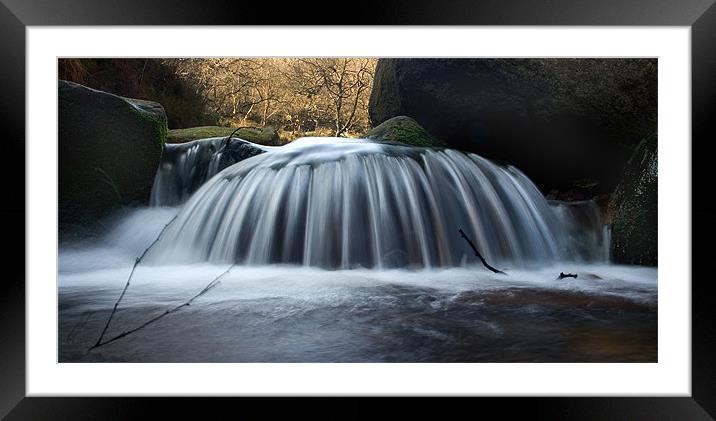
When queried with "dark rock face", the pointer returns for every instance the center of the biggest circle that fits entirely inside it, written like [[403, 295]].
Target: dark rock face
[[558, 120], [634, 208], [404, 130], [187, 166], [237, 150], [109, 151]]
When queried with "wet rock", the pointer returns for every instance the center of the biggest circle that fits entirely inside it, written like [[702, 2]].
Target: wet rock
[[634, 208]]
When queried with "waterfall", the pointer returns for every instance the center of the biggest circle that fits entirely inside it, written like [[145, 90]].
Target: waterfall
[[186, 166], [347, 203], [588, 236]]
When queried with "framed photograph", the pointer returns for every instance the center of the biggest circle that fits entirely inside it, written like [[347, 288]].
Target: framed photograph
[[465, 205]]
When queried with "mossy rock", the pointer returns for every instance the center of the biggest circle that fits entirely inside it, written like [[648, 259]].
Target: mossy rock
[[634, 208], [154, 114], [404, 130], [262, 136], [109, 151]]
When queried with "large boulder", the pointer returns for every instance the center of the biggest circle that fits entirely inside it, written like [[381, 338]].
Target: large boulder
[[559, 120], [634, 208], [109, 152], [404, 130]]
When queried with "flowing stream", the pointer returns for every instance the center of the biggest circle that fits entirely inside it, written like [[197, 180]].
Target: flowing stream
[[348, 250]]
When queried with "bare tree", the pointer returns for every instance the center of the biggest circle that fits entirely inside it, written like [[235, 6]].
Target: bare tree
[[294, 94], [344, 80]]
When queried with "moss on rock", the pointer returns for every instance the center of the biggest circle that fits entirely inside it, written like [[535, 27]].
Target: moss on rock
[[152, 113], [404, 130], [262, 136]]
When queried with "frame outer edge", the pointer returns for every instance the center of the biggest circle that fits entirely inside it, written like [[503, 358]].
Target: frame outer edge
[[12, 146], [383, 12], [12, 85], [703, 98]]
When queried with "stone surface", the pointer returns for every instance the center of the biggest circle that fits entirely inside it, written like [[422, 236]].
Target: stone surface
[[558, 120], [634, 208], [404, 130], [262, 136], [109, 151]]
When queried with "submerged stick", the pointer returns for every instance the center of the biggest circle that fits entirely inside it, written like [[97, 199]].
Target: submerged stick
[[126, 285], [477, 253], [214, 282], [563, 275]]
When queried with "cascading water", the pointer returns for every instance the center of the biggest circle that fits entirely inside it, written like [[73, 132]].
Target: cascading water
[[186, 166], [589, 237], [338, 203], [289, 214]]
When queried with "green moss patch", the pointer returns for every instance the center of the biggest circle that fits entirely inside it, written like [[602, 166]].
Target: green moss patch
[[263, 136], [404, 130], [159, 125]]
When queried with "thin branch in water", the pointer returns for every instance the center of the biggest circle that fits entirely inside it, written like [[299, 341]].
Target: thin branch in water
[[477, 253], [214, 282], [126, 285]]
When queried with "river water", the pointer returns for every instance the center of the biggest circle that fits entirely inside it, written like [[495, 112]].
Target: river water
[[348, 252]]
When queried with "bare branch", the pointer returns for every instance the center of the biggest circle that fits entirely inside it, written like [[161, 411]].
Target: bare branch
[[214, 282], [126, 285]]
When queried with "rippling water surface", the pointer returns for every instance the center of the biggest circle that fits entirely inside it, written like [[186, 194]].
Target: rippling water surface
[[297, 314]]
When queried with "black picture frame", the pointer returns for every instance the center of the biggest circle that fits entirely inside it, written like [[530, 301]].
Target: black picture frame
[[15, 15]]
